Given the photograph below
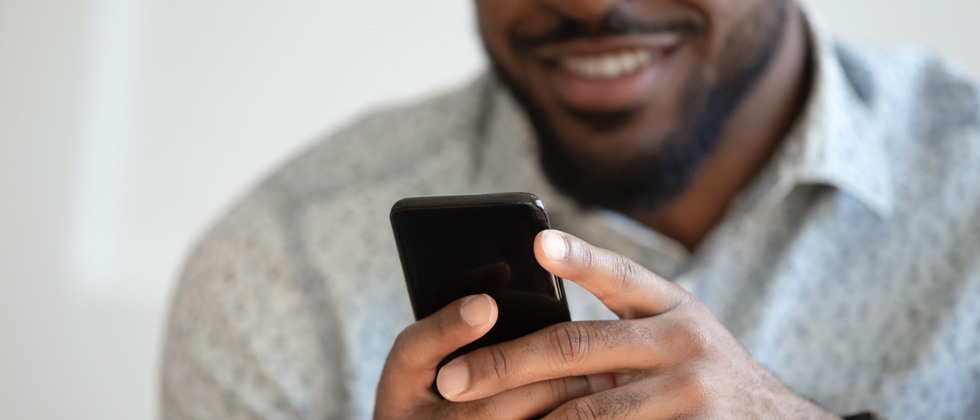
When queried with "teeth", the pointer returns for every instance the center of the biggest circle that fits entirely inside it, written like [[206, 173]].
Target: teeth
[[607, 66]]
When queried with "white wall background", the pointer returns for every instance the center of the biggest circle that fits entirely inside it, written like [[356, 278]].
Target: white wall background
[[127, 125]]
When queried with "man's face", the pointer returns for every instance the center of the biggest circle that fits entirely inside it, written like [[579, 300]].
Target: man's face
[[628, 97]]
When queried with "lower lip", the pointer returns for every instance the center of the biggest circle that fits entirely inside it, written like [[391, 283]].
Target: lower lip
[[619, 93]]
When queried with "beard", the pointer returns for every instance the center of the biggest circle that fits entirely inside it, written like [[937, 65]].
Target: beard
[[647, 179]]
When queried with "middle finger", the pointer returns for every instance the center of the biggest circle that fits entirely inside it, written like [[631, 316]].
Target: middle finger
[[528, 401], [562, 350]]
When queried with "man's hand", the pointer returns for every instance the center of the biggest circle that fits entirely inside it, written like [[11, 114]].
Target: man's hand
[[666, 358], [405, 390]]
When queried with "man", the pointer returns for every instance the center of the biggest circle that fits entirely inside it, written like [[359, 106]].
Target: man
[[815, 208]]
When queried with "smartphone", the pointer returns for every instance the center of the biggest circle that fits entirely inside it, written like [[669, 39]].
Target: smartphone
[[456, 246]]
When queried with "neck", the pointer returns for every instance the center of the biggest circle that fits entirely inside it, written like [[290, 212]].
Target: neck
[[753, 132]]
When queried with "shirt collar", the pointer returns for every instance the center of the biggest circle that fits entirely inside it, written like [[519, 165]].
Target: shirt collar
[[838, 140]]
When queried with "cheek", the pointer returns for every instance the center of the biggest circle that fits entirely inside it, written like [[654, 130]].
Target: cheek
[[499, 19], [723, 18], [494, 17]]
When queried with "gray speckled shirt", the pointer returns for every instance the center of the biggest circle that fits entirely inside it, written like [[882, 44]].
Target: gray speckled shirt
[[850, 267]]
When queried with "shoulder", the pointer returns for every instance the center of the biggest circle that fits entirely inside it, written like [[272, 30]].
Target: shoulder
[[393, 141], [925, 110], [336, 193], [387, 149], [243, 322], [926, 94], [276, 287]]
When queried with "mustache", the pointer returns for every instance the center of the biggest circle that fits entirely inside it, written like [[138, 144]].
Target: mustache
[[616, 22]]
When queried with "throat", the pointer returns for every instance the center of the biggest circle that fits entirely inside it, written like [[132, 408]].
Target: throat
[[690, 218]]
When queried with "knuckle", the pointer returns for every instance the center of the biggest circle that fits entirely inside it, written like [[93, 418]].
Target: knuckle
[[695, 392], [572, 342], [588, 257], [445, 321], [623, 404], [626, 273], [559, 390], [499, 362], [688, 302], [400, 340], [400, 354], [582, 409], [479, 409], [693, 339]]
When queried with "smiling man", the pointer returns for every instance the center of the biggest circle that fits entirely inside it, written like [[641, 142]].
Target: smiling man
[[757, 221], [630, 99]]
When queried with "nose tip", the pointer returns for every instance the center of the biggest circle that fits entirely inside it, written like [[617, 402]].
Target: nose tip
[[582, 10]]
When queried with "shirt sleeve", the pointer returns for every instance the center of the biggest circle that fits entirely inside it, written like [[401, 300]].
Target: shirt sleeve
[[250, 335]]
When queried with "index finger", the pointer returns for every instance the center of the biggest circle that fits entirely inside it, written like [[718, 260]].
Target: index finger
[[625, 287]]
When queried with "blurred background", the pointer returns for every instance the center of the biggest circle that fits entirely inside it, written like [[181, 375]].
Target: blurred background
[[127, 126]]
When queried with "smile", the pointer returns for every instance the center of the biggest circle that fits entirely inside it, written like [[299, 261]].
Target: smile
[[609, 65]]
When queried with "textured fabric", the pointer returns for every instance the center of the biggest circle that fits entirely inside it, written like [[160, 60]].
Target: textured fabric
[[850, 267]]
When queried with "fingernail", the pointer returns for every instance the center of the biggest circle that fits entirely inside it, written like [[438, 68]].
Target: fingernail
[[554, 245], [476, 310], [453, 380]]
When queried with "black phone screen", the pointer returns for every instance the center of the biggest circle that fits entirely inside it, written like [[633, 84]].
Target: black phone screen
[[457, 246]]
